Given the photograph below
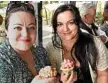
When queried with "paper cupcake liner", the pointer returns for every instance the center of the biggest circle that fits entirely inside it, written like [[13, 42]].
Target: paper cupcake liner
[[67, 71]]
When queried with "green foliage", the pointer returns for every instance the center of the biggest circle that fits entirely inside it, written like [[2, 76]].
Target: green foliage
[[47, 15], [99, 18], [3, 4], [44, 2]]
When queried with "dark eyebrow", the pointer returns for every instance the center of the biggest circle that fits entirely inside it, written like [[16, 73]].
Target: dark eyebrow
[[67, 21], [18, 24], [32, 24], [29, 24], [71, 20], [59, 22]]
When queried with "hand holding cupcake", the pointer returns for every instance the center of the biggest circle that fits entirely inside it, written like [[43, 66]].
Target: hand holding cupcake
[[68, 75], [67, 66]]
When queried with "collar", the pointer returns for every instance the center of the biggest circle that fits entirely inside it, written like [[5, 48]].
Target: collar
[[89, 26]]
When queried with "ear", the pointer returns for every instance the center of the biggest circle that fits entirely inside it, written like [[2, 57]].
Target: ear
[[6, 32], [85, 16]]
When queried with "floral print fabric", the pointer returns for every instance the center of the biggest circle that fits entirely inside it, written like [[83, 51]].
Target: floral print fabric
[[13, 69]]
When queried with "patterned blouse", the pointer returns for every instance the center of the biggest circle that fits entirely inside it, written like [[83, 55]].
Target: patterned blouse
[[13, 69]]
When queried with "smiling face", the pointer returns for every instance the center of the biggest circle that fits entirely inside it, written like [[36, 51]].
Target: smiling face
[[21, 30], [66, 28]]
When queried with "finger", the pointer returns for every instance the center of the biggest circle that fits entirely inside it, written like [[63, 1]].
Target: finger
[[51, 80], [64, 77], [37, 77], [73, 77]]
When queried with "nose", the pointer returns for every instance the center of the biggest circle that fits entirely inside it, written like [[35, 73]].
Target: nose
[[24, 32], [65, 28]]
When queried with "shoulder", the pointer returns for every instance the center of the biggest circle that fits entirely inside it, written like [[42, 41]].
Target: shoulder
[[102, 58], [5, 46], [5, 63], [40, 48], [53, 52], [51, 49], [104, 27], [3, 51], [98, 41], [40, 55], [49, 45], [39, 51], [99, 44], [5, 66]]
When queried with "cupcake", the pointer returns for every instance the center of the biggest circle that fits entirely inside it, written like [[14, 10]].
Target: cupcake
[[67, 66], [47, 72]]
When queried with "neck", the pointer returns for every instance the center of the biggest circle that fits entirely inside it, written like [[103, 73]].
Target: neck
[[23, 53], [69, 44], [86, 22]]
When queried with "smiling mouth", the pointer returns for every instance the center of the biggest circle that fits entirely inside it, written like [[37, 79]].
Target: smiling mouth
[[67, 33], [25, 40]]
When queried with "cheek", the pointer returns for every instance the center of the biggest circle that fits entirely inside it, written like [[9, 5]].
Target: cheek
[[76, 32], [75, 28], [12, 35], [33, 36], [59, 30]]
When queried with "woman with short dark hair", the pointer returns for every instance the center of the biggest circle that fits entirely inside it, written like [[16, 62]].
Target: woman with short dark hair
[[20, 60]]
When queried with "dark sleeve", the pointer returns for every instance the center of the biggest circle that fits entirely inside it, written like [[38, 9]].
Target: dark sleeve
[[5, 71]]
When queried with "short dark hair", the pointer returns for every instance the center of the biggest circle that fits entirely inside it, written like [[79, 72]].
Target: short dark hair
[[15, 6]]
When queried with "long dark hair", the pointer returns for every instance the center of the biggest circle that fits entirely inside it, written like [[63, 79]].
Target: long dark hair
[[85, 49], [16, 6], [62, 8]]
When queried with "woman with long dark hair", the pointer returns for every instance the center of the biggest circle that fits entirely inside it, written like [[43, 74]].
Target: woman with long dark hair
[[88, 52]]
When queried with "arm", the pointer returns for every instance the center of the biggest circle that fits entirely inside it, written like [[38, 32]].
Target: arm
[[102, 62], [102, 76], [102, 35]]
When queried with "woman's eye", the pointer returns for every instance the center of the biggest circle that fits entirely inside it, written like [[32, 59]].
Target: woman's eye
[[18, 28], [31, 28], [71, 22], [59, 24]]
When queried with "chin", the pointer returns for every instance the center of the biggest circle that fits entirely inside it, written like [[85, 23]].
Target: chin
[[69, 38], [24, 48]]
